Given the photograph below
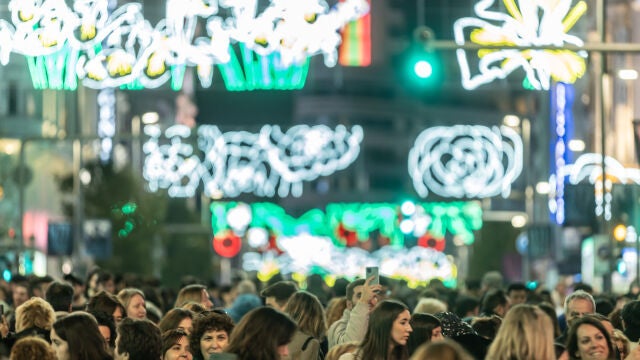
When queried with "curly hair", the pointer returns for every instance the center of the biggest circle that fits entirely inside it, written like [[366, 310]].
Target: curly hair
[[141, 339], [32, 348], [35, 312], [208, 321]]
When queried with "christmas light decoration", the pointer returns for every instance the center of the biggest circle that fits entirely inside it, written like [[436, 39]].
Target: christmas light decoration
[[266, 163], [526, 23], [466, 161], [122, 49]]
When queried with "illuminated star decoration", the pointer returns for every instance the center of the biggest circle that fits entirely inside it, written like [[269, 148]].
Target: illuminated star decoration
[[237, 162], [465, 161], [528, 23], [122, 48]]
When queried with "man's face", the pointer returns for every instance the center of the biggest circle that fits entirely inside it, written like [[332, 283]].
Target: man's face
[[20, 295], [577, 308], [517, 297]]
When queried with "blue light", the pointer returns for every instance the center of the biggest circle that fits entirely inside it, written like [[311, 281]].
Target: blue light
[[6, 275]]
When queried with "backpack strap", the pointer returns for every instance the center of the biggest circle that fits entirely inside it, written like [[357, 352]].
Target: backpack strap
[[306, 343]]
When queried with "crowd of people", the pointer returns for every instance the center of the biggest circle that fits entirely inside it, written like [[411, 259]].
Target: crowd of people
[[103, 316]]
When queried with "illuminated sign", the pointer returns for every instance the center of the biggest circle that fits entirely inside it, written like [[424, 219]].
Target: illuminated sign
[[562, 96], [345, 238], [267, 50], [266, 163], [465, 161], [526, 23]]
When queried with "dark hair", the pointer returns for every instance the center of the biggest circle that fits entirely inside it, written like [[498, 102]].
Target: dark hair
[[105, 319], [103, 301], [259, 334], [631, 313], [487, 326], [80, 330], [550, 310], [173, 317], [375, 344], [493, 299], [517, 286], [572, 337], [281, 291], [59, 295], [465, 304], [351, 288], [423, 325], [140, 338], [208, 321], [172, 337]]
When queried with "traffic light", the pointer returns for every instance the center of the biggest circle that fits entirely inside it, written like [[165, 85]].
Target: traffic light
[[423, 65]]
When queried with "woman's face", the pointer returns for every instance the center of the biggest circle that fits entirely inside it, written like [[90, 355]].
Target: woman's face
[[592, 343], [136, 308], [436, 334], [179, 350], [60, 346], [213, 341], [105, 332], [117, 315], [401, 329], [186, 324]]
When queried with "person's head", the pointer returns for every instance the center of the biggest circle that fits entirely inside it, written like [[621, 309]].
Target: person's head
[[138, 339], [134, 302], [106, 326], [31, 348], [630, 314], [466, 306], [354, 292], [76, 336], [492, 280], [525, 333], [487, 326], [430, 306], [495, 302], [211, 332], [106, 282], [19, 292], [335, 309], [307, 311], [278, 294], [426, 327], [578, 304], [262, 334], [550, 310], [108, 303], [441, 350], [388, 331], [177, 318], [196, 293], [35, 312], [588, 339], [175, 345], [621, 343], [517, 293], [60, 295]]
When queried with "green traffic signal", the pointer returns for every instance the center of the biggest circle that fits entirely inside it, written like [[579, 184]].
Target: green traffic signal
[[423, 69]]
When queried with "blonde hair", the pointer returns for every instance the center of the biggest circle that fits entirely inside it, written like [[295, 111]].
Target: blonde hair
[[430, 306], [30, 348], [526, 333], [341, 349], [442, 350], [307, 311], [190, 293], [125, 295], [619, 338], [35, 312], [335, 310]]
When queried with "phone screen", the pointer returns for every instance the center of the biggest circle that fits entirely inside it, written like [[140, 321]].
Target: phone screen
[[372, 271]]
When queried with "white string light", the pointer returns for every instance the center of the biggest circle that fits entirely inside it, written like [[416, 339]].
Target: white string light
[[527, 23], [466, 161], [239, 162]]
